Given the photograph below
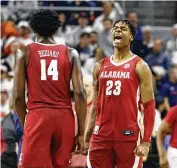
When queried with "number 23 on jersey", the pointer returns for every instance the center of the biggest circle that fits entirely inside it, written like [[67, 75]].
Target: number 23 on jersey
[[109, 88], [51, 71]]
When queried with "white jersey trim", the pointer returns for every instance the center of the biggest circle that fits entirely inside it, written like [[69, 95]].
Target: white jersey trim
[[118, 64], [88, 161]]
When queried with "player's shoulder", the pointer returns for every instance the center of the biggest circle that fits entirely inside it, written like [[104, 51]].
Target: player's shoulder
[[174, 110], [22, 51], [142, 69], [141, 64]]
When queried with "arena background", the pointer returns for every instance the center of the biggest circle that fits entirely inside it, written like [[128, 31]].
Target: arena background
[[86, 26]]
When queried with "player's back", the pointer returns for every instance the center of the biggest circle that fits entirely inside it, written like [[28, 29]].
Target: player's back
[[48, 76]]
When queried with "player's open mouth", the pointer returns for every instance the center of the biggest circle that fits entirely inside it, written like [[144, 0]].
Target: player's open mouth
[[117, 38]]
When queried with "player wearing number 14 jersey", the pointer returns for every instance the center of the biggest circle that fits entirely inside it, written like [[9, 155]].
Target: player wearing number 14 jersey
[[114, 119], [47, 69]]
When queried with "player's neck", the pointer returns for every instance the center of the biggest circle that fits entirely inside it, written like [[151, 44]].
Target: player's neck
[[123, 53], [45, 40]]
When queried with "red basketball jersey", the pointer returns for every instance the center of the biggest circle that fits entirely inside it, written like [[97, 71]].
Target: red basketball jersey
[[117, 102], [48, 76]]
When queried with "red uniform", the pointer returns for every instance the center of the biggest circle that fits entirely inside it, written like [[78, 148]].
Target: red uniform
[[171, 119], [116, 132], [49, 127]]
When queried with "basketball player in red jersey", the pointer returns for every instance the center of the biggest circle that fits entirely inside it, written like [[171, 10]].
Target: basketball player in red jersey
[[168, 126], [119, 81], [47, 68]]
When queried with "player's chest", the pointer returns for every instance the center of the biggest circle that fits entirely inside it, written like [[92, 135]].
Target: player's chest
[[112, 80], [114, 73]]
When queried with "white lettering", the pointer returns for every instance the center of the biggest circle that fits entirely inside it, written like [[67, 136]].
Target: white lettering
[[110, 74], [48, 53], [115, 74], [128, 75], [123, 74]]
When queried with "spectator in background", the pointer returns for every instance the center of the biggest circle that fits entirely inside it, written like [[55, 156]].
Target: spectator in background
[[98, 54], [143, 48], [168, 126], [10, 59], [74, 15], [11, 135], [82, 27], [93, 41], [4, 103], [23, 33], [88, 85], [133, 18], [64, 31], [105, 37], [9, 34], [112, 11], [158, 58], [169, 90], [5, 83], [171, 45], [17, 9], [147, 36], [83, 47]]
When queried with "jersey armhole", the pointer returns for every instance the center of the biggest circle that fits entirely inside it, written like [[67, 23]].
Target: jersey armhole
[[28, 59]]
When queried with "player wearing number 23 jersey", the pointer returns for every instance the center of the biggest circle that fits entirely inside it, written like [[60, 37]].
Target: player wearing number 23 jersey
[[47, 69], [113, 127]]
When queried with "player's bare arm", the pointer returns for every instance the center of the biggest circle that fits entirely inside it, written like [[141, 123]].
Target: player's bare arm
[[92, 114], [163, 130], [147, 96], [167, 104], [79, 96], [19, 83]]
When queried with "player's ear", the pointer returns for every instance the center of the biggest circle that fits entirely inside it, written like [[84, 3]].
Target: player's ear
[[131, 38]]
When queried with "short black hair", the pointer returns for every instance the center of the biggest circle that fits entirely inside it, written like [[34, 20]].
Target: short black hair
[[130, 12], [130, 25], [84, 34], [45, 22], [94, 32]]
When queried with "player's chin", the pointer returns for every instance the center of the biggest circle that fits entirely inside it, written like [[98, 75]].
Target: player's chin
[[117, 45]]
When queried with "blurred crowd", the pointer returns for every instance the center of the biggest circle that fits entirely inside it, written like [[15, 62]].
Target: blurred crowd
[[90, 33]]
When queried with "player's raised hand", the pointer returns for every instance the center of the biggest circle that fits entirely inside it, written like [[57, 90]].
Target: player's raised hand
[[163, 162], [79, 142], [142, 149]]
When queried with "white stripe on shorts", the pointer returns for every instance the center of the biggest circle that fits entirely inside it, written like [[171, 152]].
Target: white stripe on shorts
[[88, 161], [137, 158], [172, 157]]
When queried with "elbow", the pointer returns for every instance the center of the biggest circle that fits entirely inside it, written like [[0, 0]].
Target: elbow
[[17, 97], [80, 94]]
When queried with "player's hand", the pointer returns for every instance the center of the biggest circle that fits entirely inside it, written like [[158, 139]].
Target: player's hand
[[142, 149], [163, 162], [79, 142]]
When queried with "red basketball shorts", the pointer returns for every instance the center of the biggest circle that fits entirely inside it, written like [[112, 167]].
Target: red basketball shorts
[[48, 138], [110, 154]]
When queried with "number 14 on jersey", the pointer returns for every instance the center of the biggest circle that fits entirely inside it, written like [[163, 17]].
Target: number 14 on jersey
[[52, 70]]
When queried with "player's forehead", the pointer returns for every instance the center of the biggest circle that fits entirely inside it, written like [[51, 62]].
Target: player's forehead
[[120, 24]]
